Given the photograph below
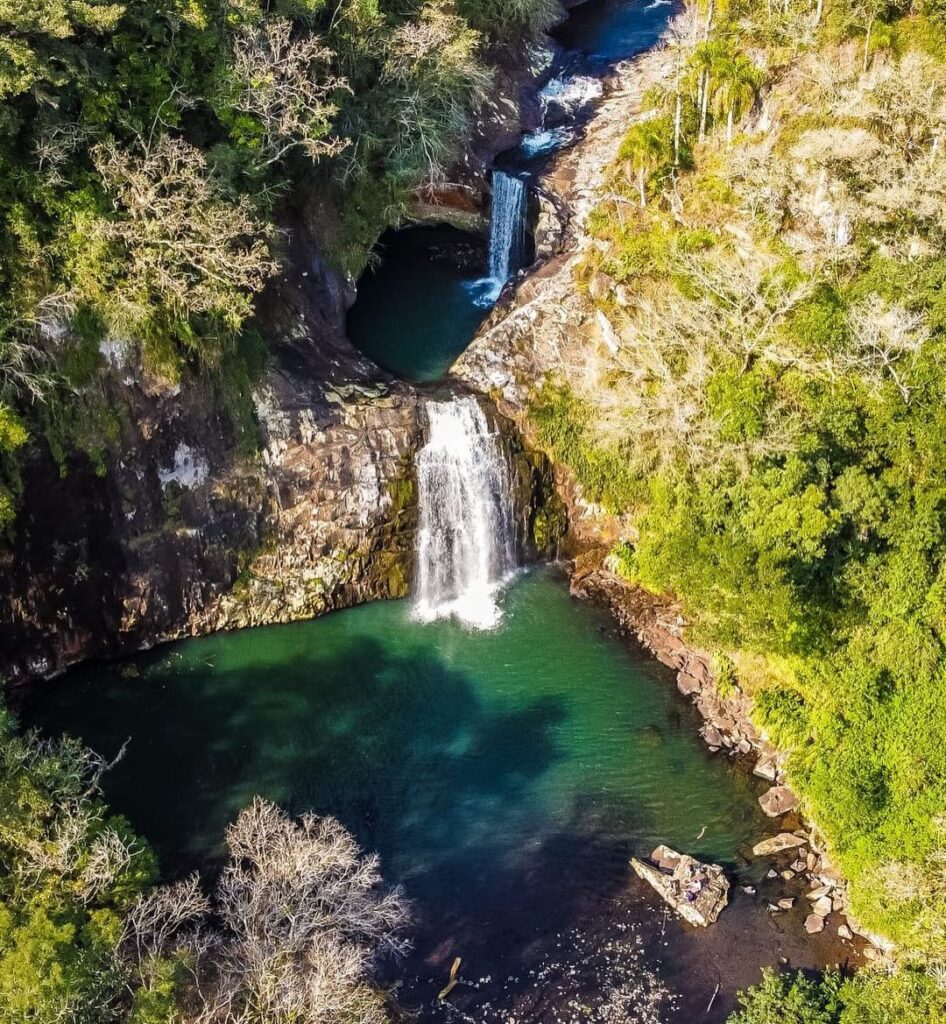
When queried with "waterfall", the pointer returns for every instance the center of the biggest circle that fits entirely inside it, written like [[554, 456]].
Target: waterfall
[[507, 237], [466, 539], [506, 227]]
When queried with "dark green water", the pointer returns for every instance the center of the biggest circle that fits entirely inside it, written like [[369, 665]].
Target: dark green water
[[504, 777], [459, 756], [416, 309], [450, 752]]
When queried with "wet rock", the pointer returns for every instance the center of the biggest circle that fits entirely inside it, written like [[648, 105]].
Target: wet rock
[[777, 801], [787, 903], [697, 892], [687, 683], [712, 735], [776, 844]]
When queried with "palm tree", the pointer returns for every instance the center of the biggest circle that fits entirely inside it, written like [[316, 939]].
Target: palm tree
[[726, 82], [738, 81], [647, 146]]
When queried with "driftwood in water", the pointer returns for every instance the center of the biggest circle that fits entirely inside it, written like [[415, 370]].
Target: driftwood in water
[[452, 983]]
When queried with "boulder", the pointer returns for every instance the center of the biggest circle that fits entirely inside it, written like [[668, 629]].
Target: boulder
[[777, 801], [845, 933], [776, 844], [766, 768], [712, 735], [697, 892], [687, 683], [814, 924], [823, 906]]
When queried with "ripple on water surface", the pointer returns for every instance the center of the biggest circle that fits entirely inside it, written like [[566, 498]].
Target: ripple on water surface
[[504, 776]]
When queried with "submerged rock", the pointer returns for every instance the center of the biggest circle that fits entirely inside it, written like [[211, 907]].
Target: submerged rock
[[698, 892], [776, 844]]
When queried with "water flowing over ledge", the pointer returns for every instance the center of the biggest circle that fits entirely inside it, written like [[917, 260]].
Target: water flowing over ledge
[[466, 545], [507, 237]]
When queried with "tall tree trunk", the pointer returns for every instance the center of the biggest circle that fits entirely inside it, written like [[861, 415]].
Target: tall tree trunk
[[641, 186], [729, 121], [676, 130], [870, 27], [705, 104], [819, 10]]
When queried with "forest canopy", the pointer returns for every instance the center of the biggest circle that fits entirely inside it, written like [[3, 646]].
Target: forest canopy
[[770, 260]]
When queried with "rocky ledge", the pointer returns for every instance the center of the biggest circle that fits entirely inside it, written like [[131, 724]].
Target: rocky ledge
[[697, 892], [182, 531]]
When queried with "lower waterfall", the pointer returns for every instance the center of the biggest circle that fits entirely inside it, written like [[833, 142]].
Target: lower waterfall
[[466, 538]]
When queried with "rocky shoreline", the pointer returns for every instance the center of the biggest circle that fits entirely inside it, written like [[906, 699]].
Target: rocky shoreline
[[543, 326], [796, 852]]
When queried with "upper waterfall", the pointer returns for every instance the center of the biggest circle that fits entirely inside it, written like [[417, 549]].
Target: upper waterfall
[[506, 227], [466, 538]]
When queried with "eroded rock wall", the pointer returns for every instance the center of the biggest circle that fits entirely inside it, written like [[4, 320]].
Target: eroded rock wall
[[179, 532]]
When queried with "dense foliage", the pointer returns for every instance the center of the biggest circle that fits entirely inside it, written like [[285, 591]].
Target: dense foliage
[[771, 260], [145, 149], [908, 998], [292, 932], [69, 872]]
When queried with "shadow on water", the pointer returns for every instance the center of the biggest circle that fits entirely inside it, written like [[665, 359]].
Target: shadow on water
[[475, 852], [350, 748], [504, 778]]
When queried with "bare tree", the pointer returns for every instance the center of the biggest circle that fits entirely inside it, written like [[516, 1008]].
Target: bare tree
[[883, 338], [285, 84], [302, 919]]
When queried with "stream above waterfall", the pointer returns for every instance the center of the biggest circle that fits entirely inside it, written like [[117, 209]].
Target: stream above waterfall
[[416, 309]]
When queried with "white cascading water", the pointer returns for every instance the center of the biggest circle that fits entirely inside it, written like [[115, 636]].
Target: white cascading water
[[466, 539], [506, 227], [569, 94]]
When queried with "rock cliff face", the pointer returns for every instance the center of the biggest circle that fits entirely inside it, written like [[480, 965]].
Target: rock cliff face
[[180, 533], [177, 530]]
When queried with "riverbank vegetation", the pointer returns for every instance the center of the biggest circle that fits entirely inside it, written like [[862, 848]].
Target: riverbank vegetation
[[292, 931], [150, 153], [771, 417]]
